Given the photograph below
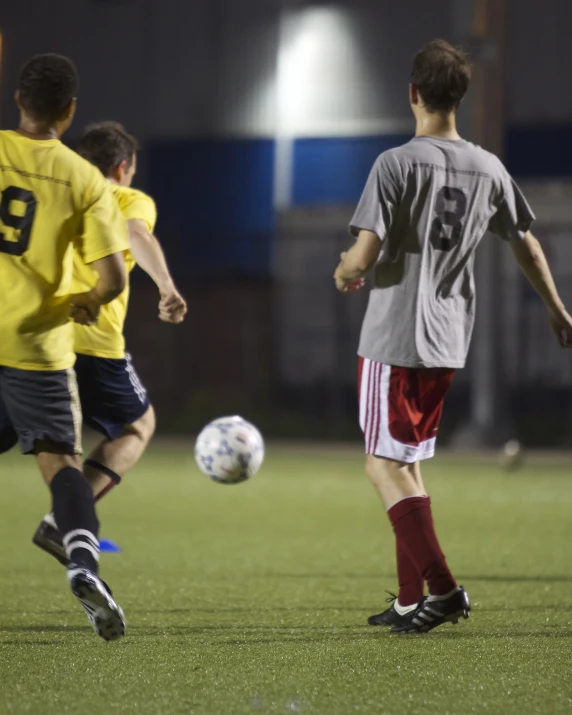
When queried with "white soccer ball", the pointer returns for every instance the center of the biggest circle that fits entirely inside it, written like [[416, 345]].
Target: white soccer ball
[[229, 450], [511, 456]]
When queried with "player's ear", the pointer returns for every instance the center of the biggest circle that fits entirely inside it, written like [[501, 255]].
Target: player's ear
[[119, 171], [413, 94], [17, 100], [71, 110]]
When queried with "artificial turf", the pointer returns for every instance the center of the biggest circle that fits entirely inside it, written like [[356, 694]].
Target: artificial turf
[[254, 598]]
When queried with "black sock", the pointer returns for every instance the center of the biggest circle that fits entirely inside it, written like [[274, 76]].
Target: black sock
[[74, 512]]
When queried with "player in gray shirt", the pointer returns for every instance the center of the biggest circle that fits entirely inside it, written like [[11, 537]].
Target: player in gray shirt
[[425, 207]]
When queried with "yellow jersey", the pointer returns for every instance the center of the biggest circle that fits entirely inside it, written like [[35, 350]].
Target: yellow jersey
[[50, 198], [105, 338]]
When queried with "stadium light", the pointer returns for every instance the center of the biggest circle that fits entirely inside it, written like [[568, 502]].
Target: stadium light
[[317, 49], [317, 62]]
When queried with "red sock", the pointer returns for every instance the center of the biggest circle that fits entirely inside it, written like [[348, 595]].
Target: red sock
[[413, 526], [410, 579], [105, 490], [97, 466]]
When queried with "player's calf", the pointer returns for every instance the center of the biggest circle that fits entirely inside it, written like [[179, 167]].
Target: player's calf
[[74, 514], [115, 457], [70, 532]]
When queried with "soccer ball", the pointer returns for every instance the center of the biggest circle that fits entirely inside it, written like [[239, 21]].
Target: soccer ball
[[511, 456], [229, 450]]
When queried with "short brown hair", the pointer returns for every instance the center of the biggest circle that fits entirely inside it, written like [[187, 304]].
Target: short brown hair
[[106, 145], [441, 73]]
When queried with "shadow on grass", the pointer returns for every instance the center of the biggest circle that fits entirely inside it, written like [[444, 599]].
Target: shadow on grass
[[530, 578], [495, 578], [364, 611], [32, 643], [250, 609], [210, 638], [466, 633], [460, 635], [42, 629], [538, 608], [224, 636]]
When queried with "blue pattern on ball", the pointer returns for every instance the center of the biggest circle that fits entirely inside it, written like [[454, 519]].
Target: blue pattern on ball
[[224, 448], [207, 462]]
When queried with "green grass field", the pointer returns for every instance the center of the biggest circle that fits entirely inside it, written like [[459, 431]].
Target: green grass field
[[254, 598]]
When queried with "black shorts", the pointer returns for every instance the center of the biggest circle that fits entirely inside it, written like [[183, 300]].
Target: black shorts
[[111, 393], [39, 406]]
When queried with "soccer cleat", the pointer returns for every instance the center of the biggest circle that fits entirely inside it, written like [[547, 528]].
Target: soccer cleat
[[431, 614], [95, 596], [48, 538], [390, 617]]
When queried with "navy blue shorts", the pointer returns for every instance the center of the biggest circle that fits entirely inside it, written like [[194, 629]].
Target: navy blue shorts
[[111, 393]]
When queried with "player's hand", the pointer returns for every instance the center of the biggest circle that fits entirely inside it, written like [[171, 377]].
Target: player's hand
[[561, 324], [172, 307], [350, 286], [85, 308], [347, 285], [343, 284]]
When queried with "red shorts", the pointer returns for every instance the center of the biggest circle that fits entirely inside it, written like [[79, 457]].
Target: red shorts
[[400, 409]]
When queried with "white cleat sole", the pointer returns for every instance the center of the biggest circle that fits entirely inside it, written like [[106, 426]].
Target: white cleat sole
[[104, 614]]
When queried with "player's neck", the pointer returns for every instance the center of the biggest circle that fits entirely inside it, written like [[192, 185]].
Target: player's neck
[[443, 126], [37, 130]]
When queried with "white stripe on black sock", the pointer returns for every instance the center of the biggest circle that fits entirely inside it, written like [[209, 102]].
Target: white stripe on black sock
[[81, 539], [82, 533]]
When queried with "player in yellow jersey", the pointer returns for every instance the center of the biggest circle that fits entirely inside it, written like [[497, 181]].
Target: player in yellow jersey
[[113, 399], [49, 199]]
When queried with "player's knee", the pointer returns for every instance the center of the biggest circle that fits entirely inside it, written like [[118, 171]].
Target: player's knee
[[145, 426]]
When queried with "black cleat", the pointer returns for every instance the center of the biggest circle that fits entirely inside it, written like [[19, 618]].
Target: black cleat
[[390, 617], [48, 538], [431, 614], [104, 614]]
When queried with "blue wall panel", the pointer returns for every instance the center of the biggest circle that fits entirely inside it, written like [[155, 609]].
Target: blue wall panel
[[215, 202], [215, 196], [334, 170]]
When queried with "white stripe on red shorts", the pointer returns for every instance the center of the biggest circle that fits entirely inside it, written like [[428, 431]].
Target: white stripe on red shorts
[[400, 409]]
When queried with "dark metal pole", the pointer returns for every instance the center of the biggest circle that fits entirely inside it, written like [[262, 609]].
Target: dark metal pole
[[480, 25]]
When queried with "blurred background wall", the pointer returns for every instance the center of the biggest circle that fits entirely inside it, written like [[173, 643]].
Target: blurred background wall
[[259, 121]]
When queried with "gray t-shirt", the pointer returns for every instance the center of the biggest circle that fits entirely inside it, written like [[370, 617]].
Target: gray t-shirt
[[430, 202]]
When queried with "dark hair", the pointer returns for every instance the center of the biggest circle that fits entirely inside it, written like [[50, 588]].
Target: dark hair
[[441, 73], [48, 84], [106, 145]]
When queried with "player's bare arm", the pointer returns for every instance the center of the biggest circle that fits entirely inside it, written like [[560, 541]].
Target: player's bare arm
[[112, 280], [356, 263], [149, 256], [40, 403], [534, 265]]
